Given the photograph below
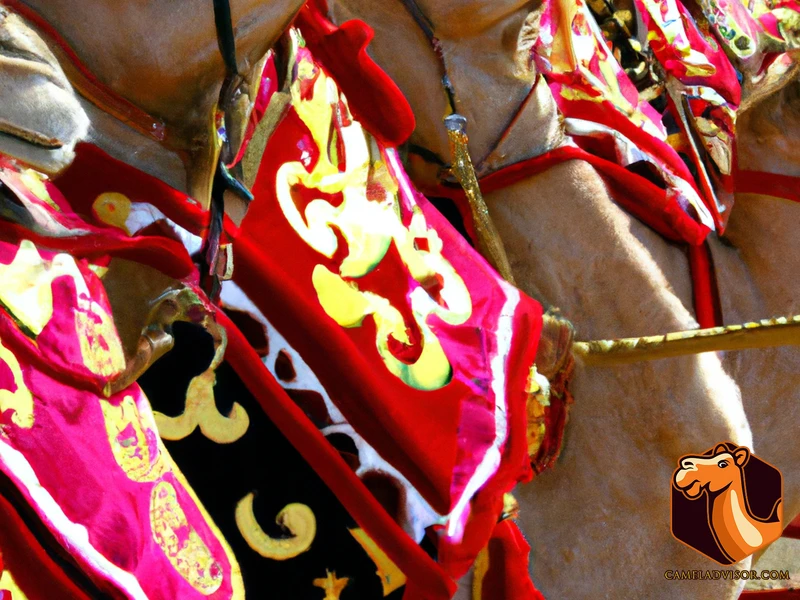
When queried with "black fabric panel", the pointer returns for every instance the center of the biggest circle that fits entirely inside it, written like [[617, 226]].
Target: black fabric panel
[[264, 462]]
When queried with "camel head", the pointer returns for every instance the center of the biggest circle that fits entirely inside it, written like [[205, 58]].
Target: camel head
[[163, 58], [163, 55], [710, 473]]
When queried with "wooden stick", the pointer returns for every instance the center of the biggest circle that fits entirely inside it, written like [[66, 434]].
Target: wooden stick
[[780, 331]]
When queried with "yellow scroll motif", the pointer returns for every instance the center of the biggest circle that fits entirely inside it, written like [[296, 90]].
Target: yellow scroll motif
[[26, 291], [27, 294], [18, 399], [187, 553], [201, 410], [129, 443], [297, 518], [101, 348], [392, 578], [332, 585], [370, 225]]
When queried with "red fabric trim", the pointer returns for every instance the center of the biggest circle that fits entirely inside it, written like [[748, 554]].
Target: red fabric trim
[[706, 300], [422, 572], [658, 149], [514, 467], [767, 184], [789, 594], [643, 199], [164, 254], [261, 275], [94, 172], [508, 577], [374, 99], [37, 575]]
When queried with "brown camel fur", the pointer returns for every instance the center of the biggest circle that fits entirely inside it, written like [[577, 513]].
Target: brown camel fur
[[593, 519]]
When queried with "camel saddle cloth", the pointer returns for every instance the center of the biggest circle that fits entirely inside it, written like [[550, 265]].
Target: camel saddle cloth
[[349, 415]]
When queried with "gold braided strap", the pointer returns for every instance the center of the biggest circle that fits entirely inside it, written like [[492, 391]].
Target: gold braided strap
[[780, 331], [489, 243]]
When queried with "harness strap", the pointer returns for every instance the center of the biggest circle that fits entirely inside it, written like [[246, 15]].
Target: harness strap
[[769, 184], [639, 197], [488, 240], [211, 270], [427, 28], [225, 38]]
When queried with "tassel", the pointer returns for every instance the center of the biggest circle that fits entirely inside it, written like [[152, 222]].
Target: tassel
[[489, 243]]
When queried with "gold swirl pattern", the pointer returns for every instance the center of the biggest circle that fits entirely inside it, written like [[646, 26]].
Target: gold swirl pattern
[[370, 224], [297, 518], [201, 411]]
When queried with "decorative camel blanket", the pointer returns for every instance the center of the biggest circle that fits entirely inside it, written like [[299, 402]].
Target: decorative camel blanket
[[412, 347]]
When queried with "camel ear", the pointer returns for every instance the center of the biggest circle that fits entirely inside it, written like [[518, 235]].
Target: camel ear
[[720, 449], [741, 456]]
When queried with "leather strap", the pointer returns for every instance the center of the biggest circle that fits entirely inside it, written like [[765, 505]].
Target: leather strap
[[426, 26], [225, 38]]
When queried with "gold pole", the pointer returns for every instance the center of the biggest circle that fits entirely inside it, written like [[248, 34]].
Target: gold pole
[[780, 331], [489, 243]]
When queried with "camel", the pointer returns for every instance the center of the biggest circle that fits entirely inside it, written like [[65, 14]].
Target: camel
[[168, 87], [176, 76], [571, 246], [694, 403], [721, 478], [172, 94]]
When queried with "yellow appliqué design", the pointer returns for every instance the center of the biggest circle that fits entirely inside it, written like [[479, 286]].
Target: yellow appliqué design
[[297, 518], [186, 552], [201, 411], [127, 435], [27, 294], [369, 220], [19, 399]]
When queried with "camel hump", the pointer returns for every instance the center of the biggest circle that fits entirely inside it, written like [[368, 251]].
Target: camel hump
[[774, 514], [41, 118]]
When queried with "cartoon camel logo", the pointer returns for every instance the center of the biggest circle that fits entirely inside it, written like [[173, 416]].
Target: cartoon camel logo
[[731, 481]]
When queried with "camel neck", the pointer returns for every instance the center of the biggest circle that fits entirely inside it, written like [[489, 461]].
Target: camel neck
[[124, 130], [510, 112], [137, 150], [733, 522]]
